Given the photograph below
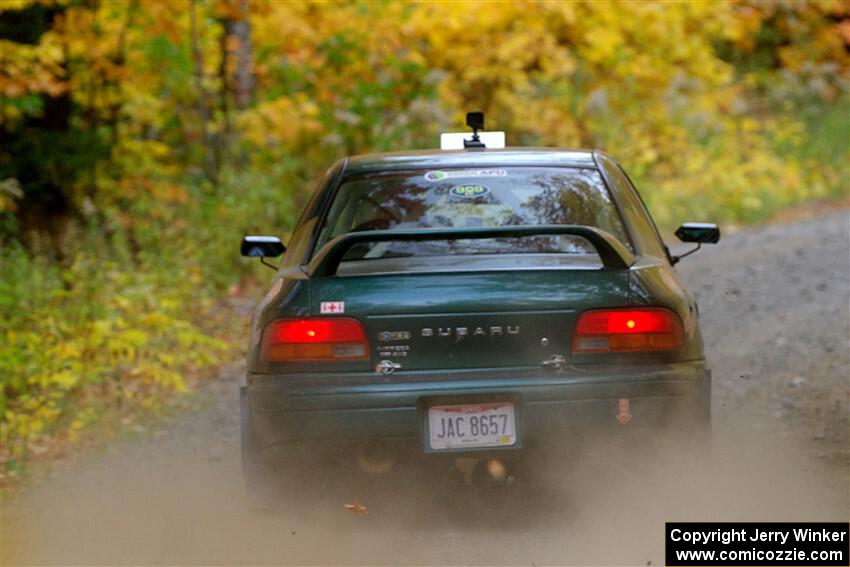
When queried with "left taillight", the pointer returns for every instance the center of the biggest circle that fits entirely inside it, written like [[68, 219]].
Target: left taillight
[[627, 330], [315, 339]]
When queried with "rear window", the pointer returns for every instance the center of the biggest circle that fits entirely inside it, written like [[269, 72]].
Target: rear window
[[457, 198]]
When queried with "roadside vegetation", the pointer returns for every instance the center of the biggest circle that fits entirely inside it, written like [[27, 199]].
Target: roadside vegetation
[[139, 140]]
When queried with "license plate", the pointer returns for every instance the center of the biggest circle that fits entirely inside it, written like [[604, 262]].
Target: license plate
[[473, 425]]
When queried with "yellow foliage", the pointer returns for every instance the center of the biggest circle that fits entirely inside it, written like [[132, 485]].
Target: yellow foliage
[[68, 372], [27, 69], [666, 87], [279, 122]]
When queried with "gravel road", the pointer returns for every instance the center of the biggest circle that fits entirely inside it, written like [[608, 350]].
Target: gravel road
[[774, 304]]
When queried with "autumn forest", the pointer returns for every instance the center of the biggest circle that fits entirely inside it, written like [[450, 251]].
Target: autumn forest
[[140, 139]]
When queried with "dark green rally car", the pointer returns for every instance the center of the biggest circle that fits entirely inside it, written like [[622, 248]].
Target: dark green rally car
[[479, 301]]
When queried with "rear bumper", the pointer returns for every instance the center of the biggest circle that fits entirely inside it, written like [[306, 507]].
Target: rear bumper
[[315, 409]]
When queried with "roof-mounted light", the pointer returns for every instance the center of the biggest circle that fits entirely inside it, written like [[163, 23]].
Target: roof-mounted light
[[479, 140]]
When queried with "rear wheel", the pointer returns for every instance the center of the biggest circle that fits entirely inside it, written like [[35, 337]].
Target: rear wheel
[[260, 480], [702, 430]]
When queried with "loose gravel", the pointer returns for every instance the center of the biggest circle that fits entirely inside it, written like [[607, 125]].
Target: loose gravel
[[774, 304]]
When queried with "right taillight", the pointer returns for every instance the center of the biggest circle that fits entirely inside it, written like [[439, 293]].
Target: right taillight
[[627, 330], [293, 340]]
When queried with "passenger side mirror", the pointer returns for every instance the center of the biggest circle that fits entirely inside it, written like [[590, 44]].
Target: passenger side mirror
[[697, 232], [262, 247]]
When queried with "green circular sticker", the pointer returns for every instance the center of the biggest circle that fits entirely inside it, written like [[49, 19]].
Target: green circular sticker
[[469, 191], [435, 175]]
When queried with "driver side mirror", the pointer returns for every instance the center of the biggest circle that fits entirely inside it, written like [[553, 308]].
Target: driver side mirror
[[262, 247], [697, 232]]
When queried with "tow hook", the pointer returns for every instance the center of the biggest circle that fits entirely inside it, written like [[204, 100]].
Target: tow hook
[[556, 362], [491, 471]]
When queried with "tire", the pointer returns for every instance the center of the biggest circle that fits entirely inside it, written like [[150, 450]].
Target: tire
[[704, 433], [694, 435], [257, 472]]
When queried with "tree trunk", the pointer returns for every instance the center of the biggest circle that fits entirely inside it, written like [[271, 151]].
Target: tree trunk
[[244, 73], [238, 49], [210, 165], [226, 132]]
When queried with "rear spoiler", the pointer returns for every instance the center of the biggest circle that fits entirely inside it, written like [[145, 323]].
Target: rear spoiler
[[612, 252]]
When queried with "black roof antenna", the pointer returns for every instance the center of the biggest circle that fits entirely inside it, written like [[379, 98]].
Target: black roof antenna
[[474, 120]]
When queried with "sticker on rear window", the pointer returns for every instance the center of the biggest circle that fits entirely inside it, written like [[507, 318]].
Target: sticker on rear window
[[456, 173], [469, 191]]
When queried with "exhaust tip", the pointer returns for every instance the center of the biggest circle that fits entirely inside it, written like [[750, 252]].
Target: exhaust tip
[[375, 457]]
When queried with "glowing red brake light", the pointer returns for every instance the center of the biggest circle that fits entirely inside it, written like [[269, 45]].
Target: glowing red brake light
[[627, 330], [315, 339]]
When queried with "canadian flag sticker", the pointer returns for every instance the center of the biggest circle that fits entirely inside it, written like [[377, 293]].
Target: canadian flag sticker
[[331, 307]]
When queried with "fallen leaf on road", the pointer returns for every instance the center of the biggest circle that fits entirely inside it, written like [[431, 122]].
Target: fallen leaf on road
[[357, 508]]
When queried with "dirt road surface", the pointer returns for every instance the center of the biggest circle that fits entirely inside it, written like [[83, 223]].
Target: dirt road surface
[[774, 304]]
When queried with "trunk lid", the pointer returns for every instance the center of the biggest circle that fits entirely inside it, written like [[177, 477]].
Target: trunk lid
[[464, 320]]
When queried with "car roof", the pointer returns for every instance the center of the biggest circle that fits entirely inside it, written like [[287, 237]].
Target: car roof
[[439, 159]]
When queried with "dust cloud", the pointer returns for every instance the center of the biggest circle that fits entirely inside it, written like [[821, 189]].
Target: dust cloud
[[598, 501], [780, 452]]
